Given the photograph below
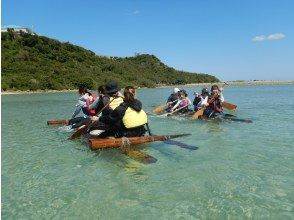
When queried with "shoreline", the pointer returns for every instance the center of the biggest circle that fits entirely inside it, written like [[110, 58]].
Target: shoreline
[[237, 83], [230, 83]]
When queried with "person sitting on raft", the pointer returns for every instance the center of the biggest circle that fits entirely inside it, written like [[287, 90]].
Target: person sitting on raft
[[101, 93], [172, 99], [128, 119], [183, 103], [213, 106], [220, 89], [110, 95], [200, 100], [85, 97]]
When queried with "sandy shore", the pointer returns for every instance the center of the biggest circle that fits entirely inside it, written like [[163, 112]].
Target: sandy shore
[[229, 83], [34, 92], [238, 83]]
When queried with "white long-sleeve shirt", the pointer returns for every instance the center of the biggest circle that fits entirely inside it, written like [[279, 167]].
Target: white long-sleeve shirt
[[80, 104], [202, 102]]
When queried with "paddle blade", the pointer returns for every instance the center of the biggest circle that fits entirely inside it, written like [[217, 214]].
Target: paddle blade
[[139, 156], [58, 122], [80, 131], [240, 120], [229, 106], [180, 144], [159, 109], [198, 114]]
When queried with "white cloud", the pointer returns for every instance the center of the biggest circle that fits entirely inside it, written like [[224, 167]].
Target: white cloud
[[259, 38], [277, 36], [136, 12]]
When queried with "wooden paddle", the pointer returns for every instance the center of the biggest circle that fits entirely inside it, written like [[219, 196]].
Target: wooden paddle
[[83, 128], [229, 106], [162, 107], [198, 113], [105, 143], [171, 113], [58, 122]]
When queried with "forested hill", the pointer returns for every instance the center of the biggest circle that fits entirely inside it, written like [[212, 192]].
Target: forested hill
[[31, 62]]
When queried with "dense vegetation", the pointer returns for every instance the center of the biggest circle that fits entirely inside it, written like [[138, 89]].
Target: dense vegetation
[[31, 62]]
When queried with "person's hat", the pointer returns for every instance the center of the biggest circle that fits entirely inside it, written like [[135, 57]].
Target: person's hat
[[204, 91], [184, 91], [112, 87], [176, 90]]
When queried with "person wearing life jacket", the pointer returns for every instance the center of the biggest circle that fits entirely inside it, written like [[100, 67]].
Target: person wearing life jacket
[[220, 89], [85, 96], [112, 95], [172, 99], [213, 106], [183, 103], [128, 119]]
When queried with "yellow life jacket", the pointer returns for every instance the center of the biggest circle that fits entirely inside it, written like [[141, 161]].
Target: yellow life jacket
[[133, 118], [115, 103]]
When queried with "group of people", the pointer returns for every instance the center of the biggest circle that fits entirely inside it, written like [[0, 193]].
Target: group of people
[[211, 102], [121, 114]]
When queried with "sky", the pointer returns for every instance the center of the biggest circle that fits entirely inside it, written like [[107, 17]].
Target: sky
[[230, 39]]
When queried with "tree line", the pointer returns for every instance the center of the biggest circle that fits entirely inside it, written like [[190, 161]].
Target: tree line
[[32, 62]]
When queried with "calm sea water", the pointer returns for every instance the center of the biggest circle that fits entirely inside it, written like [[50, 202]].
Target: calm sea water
[[240, 170]]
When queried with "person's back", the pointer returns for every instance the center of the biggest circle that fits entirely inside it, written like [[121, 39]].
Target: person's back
[[128, 119], [111, 99]]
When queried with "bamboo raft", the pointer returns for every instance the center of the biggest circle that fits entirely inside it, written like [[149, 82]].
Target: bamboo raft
[[106, 143]]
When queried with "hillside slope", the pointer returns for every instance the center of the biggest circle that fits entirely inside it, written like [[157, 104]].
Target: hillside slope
[[31, 62]]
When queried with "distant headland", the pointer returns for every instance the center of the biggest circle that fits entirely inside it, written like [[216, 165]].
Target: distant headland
[[31, 62]]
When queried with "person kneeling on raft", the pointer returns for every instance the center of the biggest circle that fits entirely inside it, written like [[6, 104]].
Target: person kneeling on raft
[[128, 119], [214, 104], [85, 99]]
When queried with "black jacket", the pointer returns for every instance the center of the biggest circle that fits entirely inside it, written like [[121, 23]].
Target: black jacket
[[116, 116], [172, 97]]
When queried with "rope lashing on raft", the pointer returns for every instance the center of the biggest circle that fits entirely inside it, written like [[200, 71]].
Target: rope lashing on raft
[[125, 143]]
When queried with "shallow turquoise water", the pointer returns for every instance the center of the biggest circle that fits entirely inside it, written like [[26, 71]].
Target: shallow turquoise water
[[240, 170]]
